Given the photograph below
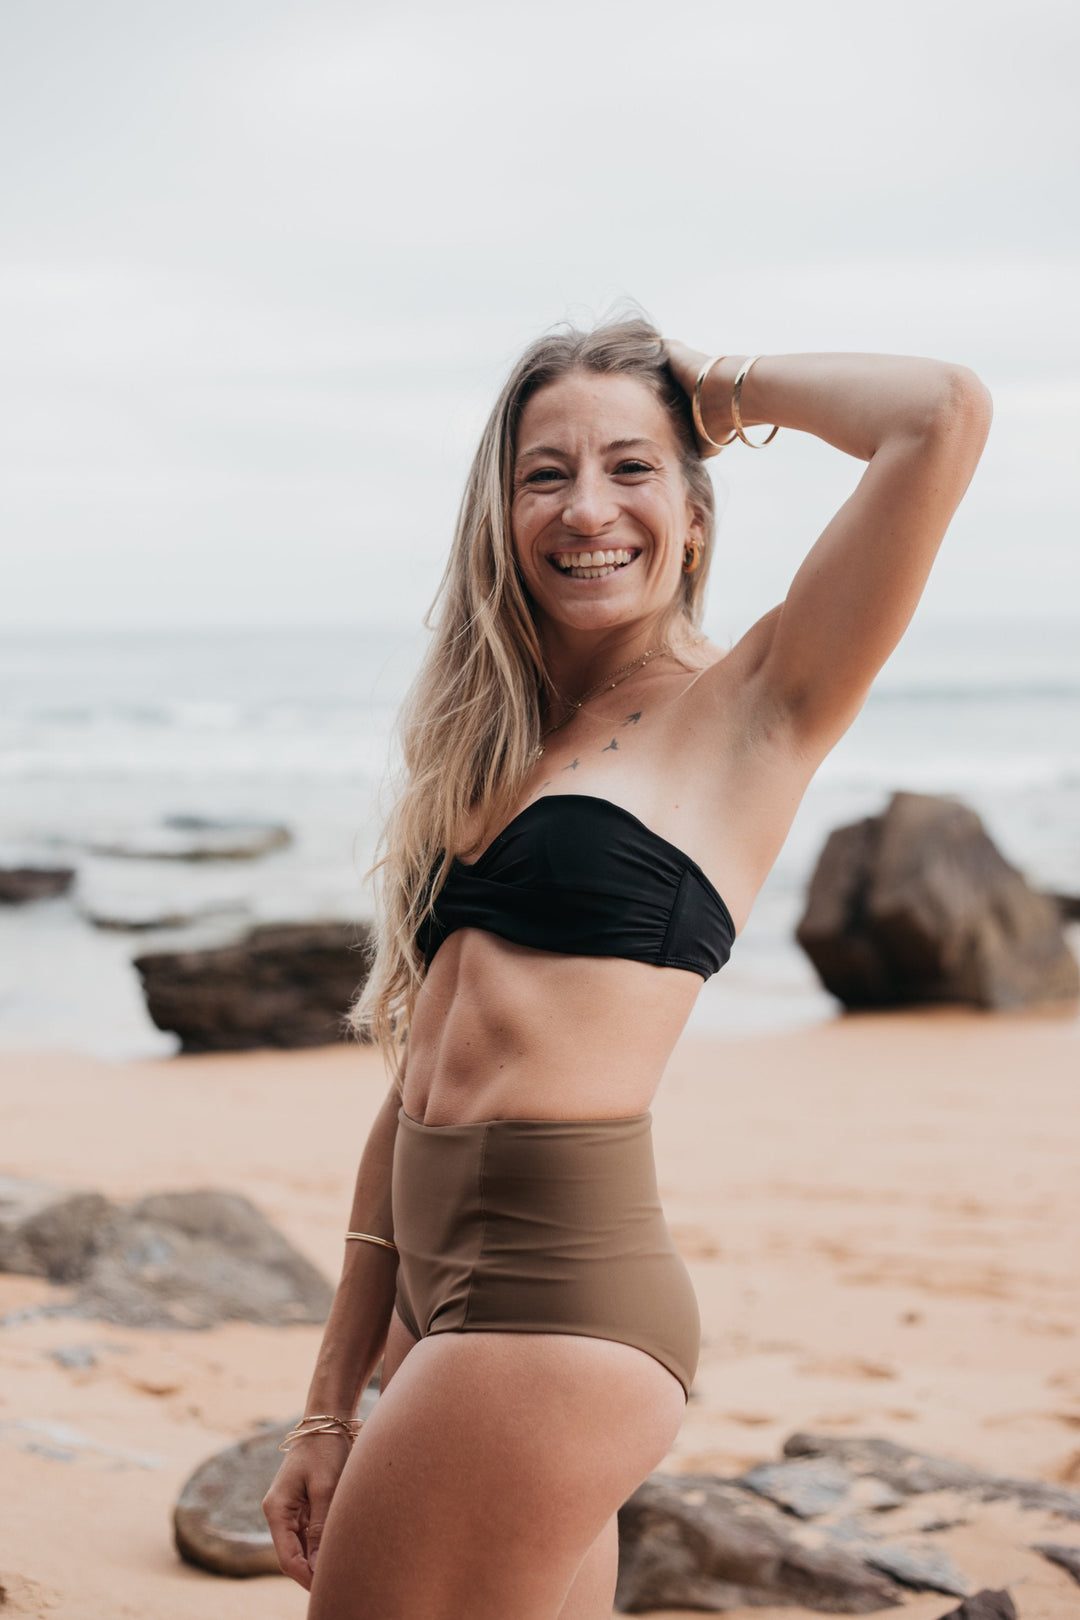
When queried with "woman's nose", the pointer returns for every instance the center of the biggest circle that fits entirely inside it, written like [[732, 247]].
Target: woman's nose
[[589, 508]]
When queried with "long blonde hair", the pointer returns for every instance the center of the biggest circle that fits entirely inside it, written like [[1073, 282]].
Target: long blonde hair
[[470, 725]]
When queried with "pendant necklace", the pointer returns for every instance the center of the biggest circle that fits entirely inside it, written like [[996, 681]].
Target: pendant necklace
[[609, 681]]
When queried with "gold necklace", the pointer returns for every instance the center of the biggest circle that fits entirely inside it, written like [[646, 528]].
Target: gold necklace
[[609, 681]]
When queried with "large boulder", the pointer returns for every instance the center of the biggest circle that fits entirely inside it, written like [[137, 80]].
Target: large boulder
[[173, 1259], [283, 984], [918, 905], [692, 1541]]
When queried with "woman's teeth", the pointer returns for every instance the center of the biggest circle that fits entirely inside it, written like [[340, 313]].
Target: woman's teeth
[[591, 564]]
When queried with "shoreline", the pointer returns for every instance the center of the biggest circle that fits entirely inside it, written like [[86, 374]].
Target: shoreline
[[879, 1213]]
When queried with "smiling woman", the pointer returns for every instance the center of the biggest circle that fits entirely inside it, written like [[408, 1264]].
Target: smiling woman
[[593, 796]]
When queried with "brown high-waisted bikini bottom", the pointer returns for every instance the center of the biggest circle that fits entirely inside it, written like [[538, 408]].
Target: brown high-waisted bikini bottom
[[540, 1226]]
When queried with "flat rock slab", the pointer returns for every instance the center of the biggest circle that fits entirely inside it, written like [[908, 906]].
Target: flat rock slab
[[199, 838], [218, 1521], [913, 1473], [174, 1259], [282, 984]]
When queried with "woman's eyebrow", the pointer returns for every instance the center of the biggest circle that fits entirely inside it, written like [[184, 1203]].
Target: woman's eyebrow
[[615, 445]]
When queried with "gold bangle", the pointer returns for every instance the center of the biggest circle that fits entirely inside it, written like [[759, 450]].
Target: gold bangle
[[695, 405], [369, 1237], [736, 416], [322, 1423]]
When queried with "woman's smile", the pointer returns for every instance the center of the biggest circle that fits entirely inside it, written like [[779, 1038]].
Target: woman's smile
[[594, 564]]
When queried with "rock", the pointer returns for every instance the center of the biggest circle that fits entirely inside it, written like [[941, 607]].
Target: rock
[[199, 838], [175, 1259], [804, 1488], [18, 884], [918, 905], [218, 1521], [48, 1230], [912, 1473], [924, 1569], [984, 1605], [283, 984], [692, 1541], [76, 1357], [141, 916], [812, 1486], [1058, 1553], [192, 1259]]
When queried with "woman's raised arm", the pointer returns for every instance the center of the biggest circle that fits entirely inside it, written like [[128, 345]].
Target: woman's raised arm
[[920, 425]]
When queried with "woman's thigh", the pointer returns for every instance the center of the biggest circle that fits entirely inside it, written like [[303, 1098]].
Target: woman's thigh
[[487, 1470]]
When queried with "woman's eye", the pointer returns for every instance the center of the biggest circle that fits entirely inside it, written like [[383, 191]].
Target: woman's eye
[[544, 475], [633, 467]]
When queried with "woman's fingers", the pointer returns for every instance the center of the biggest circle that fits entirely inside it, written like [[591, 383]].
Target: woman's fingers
[[296, 1506], [286, 1520]]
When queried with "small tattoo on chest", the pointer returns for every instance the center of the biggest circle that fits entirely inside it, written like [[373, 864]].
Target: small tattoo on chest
[[611, 747], [573, 765], [632, 719]]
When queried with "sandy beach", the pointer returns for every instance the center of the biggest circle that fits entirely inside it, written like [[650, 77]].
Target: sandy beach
[[880, 1215]]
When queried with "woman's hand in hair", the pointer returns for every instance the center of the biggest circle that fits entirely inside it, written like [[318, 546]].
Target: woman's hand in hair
[[685, 364]]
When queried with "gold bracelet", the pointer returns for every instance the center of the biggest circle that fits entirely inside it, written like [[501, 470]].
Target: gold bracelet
[[736, 417], [369, 1237], [695, 405], [323, 1423]]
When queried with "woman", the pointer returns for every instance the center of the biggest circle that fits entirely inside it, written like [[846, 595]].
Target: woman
[[594, 796]]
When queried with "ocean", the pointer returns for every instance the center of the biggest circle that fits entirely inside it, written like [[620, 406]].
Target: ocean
[[104, 734]]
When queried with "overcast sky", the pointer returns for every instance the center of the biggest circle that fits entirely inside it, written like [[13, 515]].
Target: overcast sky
[[265, 264]]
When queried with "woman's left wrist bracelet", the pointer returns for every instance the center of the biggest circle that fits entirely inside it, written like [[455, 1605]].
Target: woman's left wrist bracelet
[[322, 1423]]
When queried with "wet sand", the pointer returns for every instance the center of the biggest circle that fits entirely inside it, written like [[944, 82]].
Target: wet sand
[[881, 1216]]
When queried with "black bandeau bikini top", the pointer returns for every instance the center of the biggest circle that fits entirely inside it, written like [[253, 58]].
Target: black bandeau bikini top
[[580, 875]]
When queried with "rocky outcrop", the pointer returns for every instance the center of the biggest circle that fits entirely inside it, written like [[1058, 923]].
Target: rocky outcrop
[[18, 884], [917, 905], [283, 984], [199, 838], [174, 1259], [696, 1541]]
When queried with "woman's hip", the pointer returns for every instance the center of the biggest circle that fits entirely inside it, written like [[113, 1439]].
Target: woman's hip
[[547, 1226]]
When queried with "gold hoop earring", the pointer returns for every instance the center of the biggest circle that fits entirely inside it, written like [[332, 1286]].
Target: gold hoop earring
[[691, 556]]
